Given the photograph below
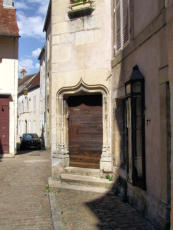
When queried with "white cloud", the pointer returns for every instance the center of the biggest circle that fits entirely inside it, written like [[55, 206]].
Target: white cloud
[[36, 52], [30, 26], [29, 65], [21, 5], [37, 65], [43, 4]]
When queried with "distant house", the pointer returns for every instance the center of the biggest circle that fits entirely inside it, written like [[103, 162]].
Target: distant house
[[9, 35], [29, 104]]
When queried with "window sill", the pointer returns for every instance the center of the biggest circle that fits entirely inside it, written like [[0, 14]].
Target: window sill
[[80, 9]]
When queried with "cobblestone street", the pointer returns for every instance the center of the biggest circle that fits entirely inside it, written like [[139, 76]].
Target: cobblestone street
[[24, 204]]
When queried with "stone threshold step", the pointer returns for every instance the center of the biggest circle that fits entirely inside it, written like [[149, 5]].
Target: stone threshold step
[[83, 171], [57, 184], [85, 180]]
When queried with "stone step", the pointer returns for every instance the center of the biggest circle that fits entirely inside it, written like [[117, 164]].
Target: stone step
[[82, 171], [57, 184], [72, 179]]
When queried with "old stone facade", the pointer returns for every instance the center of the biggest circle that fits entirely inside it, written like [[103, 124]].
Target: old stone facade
[[146, 47], [99, 53], [80, 65]]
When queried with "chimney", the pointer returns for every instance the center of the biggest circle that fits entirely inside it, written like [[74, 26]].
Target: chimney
[[8, 3], [22, 73]]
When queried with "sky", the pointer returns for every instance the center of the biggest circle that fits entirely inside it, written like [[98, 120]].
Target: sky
[[30, 16]]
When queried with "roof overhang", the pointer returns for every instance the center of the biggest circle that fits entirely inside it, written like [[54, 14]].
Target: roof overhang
[[47, 17], [41, 53]]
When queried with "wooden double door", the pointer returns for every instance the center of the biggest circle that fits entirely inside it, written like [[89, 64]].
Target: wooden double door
[[85, 130], [4, 125]]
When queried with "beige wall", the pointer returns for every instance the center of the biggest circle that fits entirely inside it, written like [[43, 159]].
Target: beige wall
[[8, 82], [148, 50], [144, 13]]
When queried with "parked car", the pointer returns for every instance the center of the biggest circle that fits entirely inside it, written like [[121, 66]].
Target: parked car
[[30, 141]]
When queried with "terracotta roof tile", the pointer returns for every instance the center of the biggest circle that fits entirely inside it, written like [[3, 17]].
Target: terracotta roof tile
[[8, 22], [35, 82]]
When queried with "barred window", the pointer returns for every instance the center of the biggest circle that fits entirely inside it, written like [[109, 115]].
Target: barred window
[[122, 19]]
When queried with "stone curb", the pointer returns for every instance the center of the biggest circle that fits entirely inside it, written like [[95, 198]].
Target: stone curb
[[55, 213]]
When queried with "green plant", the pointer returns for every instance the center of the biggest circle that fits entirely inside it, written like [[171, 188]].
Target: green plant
[[110, 178], [47, 188]]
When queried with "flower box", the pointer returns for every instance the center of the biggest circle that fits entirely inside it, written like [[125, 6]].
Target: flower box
[[80, 8]]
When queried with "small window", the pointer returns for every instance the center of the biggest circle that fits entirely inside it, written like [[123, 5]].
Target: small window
[[122, 23]]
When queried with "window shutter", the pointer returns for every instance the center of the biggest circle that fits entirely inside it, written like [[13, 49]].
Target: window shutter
[[118, 25], [125, 21]]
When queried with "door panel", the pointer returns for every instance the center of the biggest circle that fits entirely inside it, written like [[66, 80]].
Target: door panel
[[85, 130], [4, 125]]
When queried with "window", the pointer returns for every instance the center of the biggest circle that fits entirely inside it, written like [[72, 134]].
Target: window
[[122, 19]]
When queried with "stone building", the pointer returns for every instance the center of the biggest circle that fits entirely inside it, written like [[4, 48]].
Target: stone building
[[80, 73], [110, 96], [9, 35], [141, 83]]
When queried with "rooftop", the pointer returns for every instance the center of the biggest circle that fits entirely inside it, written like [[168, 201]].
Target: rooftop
[[8, 22]]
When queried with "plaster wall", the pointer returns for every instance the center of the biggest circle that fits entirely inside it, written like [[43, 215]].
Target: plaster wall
[[144, 13], [8, 83], [31, 114]]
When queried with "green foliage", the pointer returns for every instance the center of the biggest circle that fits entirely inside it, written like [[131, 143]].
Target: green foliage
[[110, 178]]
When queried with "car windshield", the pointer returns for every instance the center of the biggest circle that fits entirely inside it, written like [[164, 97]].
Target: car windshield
[[30, 135]]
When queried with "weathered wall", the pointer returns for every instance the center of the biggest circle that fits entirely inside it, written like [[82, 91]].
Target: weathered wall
[[80, 52], [148, 50]]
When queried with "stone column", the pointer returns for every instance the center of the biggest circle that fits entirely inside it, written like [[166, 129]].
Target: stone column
[[106, 157]]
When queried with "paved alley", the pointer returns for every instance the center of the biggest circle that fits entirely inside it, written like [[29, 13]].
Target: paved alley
[[77, 210], [24, 203]]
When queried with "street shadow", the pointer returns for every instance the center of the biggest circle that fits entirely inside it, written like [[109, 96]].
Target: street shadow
[[42, 138], [113, 214], [1, 151]]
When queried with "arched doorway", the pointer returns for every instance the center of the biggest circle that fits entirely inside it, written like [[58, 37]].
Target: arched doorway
[[85, 130]]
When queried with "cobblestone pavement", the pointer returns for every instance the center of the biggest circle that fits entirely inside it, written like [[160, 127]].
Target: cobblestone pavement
[[24, 203], [91, 211]]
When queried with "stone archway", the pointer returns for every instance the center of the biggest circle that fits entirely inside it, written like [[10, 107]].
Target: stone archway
[[62, 127]]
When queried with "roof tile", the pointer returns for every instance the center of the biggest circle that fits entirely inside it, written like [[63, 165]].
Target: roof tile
[[8, 22]]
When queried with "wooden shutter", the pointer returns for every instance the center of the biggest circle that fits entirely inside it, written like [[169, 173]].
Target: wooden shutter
[[125, 20], [118, 25]]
